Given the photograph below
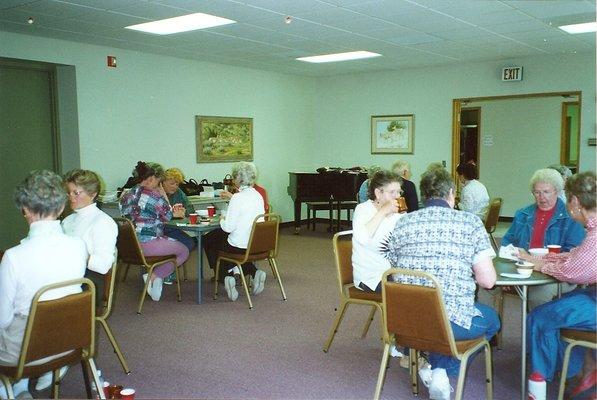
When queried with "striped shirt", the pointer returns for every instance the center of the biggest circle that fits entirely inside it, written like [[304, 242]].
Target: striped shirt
[[579, 265], [148, 210]]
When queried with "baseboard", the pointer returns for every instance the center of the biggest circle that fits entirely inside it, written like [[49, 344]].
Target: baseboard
[[343, 223], [506, 219]]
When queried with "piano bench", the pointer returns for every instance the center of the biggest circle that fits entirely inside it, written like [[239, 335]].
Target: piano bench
[[314, 206]]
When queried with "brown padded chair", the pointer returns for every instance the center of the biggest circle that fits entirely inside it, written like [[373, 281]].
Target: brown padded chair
[[110, 278], [415, 317], [66, 324], [129, 252], [349, 294], [574, 338], [492, 218], [263, 245]]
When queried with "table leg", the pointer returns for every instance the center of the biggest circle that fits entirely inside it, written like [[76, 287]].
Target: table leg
[[199, 299], [523, 360]]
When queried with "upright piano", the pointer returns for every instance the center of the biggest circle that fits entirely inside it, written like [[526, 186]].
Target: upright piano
[[333, 187]]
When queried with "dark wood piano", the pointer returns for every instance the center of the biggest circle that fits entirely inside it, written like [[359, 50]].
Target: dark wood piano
[[333, 187]]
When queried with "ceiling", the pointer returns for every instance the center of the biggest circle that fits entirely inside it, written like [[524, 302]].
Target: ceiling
[[408, 33]]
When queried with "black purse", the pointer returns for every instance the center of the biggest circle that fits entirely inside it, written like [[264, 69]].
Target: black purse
[[191, 187]]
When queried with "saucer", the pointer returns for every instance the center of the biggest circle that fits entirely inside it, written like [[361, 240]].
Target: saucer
[[524, 264]]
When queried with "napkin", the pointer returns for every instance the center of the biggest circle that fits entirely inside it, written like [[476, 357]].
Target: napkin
[[509, 252]]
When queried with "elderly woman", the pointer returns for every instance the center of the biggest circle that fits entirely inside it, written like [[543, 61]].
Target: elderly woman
[[543, 223], [372, 222], [44, 257], [473, 196], [577, 309], [454, 247], [233, 237], [146, 205], [409, 191], [364, 189]]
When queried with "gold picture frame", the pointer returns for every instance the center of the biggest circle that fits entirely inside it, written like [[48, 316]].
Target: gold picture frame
[[392, 134], [224, 139]]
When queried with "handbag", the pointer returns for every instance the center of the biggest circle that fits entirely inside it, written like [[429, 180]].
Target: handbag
[[191, 187]]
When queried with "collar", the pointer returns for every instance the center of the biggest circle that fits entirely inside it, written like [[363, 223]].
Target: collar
[[44, 228], [437, 203], [87, 209]]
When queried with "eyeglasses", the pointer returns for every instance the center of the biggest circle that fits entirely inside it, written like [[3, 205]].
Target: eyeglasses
[[76, 193], [542, 192]]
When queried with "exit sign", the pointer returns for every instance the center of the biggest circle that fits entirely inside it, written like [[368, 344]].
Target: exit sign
[[512, 74]]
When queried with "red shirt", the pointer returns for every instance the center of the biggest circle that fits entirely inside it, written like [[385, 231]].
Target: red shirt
[[263, 194], [542, 218]]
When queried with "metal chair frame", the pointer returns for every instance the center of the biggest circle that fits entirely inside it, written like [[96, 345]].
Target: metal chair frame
[[574, 338]]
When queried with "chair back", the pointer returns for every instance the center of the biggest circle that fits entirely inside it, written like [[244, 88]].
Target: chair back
[[60, 325], [127, 244], [415, 314], [342, 243], [493, 214], [264, 236]]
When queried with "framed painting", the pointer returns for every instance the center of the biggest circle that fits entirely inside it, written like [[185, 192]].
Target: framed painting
[[392, 134], [222, 139]]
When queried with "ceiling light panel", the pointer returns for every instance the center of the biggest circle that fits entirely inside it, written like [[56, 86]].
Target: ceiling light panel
[[184, 23], [580, 28], [351, 55]]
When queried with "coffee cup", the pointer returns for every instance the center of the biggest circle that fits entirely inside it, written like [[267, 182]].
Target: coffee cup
[[127, 394], [525, 271], [538, 252], [211, 211], [401, 204], [554, 248], [193, 218]]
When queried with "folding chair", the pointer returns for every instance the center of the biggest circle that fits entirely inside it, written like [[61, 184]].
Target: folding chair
[[574, 338]]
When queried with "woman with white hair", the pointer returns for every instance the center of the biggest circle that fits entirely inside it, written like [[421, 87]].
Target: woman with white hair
[[233, 237], [546, 222], [409, 191]]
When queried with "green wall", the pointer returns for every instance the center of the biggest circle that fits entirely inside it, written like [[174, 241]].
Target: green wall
[[145, 108]]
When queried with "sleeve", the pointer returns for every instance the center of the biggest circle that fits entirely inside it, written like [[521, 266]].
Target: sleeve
[[574, 236], [511, 237], [362, 215], [467, 200], [162, 209], [103, 235], [128, 203], [8, 291], [230, 223], [576, 266], [189, 209], [483, 248]]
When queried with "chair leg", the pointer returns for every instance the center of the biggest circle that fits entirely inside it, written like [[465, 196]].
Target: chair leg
[[381, 376], [115, 345], [272, 263], [244, 281], [337, 321], [414, 370], [368, 323], [178, 298], [95, 376], [488, 371], [184, 271], [494, 243], [144, 292], [126, 272], [565, 370], [461, 377], [498, 304], [8, 386], [216, 279], [85, 370], [56, 383]]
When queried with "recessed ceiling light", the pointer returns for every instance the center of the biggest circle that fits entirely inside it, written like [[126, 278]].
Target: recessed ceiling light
[[183, 23], [352, 55], [580, 28]]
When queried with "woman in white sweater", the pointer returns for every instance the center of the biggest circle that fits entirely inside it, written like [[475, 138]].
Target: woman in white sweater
[[244, 206], [372, 222]]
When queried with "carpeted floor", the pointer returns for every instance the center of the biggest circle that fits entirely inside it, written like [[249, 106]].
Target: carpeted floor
[[223, 350]]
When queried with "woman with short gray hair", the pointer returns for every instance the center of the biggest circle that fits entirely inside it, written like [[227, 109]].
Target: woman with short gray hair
[[44, 257], [409, 190], [233, 237]]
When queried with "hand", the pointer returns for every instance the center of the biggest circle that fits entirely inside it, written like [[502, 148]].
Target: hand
[[225, 194], [178, 212], [389, 207]]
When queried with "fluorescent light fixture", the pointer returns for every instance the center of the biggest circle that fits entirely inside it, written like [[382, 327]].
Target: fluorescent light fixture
[[183, 23], [352, 55], [580, 28]]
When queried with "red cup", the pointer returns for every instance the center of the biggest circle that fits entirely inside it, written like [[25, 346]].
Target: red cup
[[211, 211], [105, 388], [193, 218], [127, 394], [554, 248], [113, 391]]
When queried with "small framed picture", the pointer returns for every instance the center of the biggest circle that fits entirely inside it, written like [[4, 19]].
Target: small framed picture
[[392, 134], [224, 139]]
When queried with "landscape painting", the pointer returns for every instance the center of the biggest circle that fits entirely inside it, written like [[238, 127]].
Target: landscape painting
[[222, 139], [392, 134]]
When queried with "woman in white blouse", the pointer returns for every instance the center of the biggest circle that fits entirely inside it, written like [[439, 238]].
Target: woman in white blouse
[[473, 196], [372, 222], [233, 237]]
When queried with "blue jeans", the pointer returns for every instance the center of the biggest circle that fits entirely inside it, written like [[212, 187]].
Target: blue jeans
[[575, 310], [487, 324]]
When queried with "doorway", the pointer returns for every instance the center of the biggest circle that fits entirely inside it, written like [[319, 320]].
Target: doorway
[[470, 133]]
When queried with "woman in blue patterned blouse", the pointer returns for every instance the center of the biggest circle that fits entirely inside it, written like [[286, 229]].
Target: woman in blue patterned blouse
[[146, 205]]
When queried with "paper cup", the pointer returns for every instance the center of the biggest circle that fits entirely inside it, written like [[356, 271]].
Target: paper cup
[[193, 218], [211, 211], [113, 391], [127, 394], [105, 388], [538, 252], [524, 271], [554, 248]]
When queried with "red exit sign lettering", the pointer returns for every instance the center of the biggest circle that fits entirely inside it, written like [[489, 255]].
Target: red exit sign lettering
[[512, 74]]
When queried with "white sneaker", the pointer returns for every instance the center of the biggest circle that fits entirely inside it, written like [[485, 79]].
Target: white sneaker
[[425, 374], [394, 352], [258, 281], [156, 289], [230, 285], [440, 385], [149, 286], [45, 381]]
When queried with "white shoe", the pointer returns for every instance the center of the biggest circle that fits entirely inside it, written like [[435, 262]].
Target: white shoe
[[148, 286], [230, 285], [425, 374], [45, 381], [394, 352], [156, 289], [440, 385], [258, 281]]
